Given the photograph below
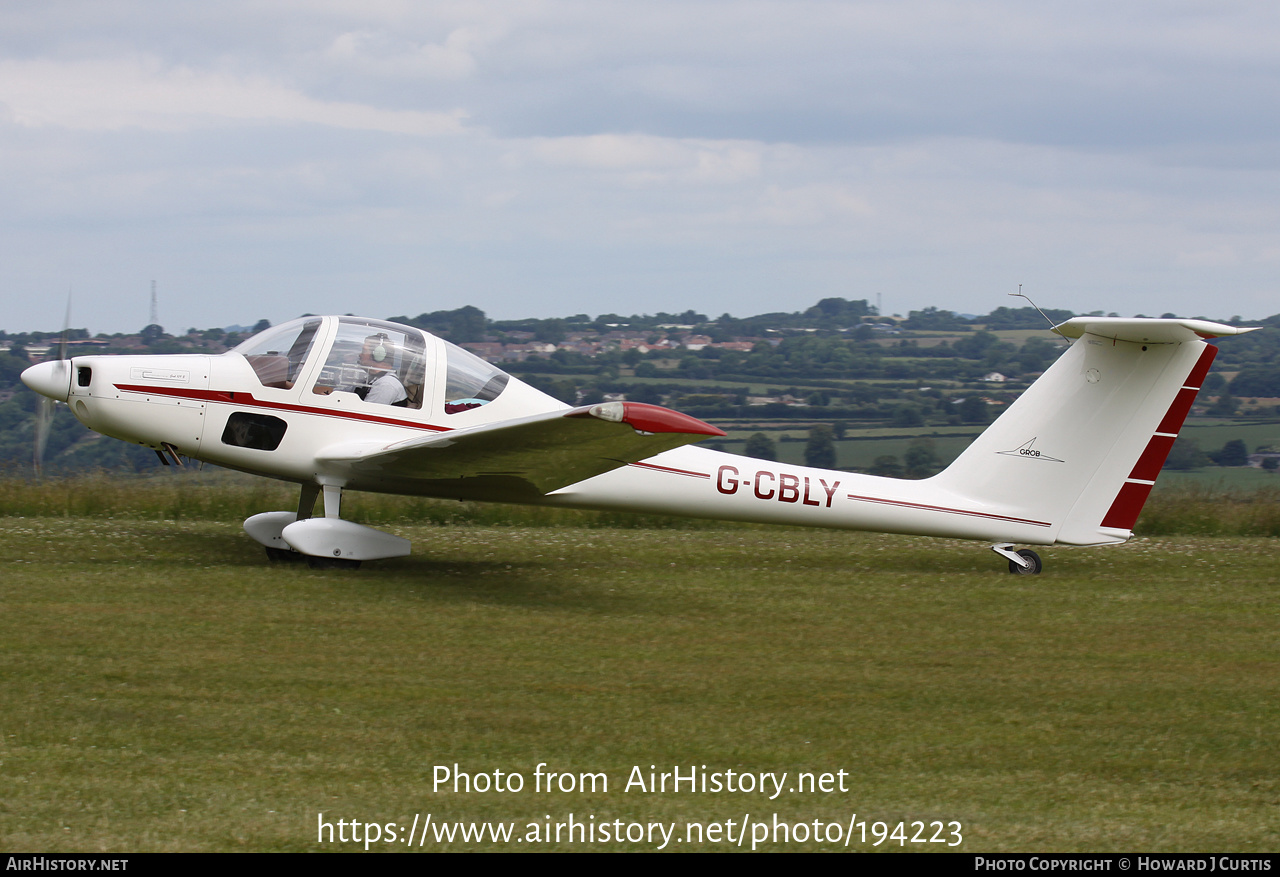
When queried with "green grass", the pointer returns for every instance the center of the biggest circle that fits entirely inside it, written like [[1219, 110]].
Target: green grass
[[167, 689], [1217, 479]]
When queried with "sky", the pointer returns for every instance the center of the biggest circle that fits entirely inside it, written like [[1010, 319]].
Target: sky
[[540, 158]]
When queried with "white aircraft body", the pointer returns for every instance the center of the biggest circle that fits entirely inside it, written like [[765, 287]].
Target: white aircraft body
[[347, 403]]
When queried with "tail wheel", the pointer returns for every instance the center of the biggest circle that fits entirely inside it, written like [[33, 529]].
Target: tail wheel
[[1034, 567]]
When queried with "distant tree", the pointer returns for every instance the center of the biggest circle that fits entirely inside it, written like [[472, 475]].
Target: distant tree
[[921, 459], [761, 447], [887, 466], [645, 393], [974, 409], [934, 319], [975, 346], [907, 415], [1271, 463], [839, 428], [1225, 405], [1233, 453], [1257, 381], [261, 326], [466, 323], [1186, 454], [549, 331], [1036, 354], [837, 312], [154, 332], [820, 452], [1022, 318]]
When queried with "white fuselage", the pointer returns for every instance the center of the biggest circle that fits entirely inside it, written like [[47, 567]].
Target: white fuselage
[[185, 402]]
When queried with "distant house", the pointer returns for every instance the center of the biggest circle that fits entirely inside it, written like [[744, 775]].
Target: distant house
[[785, 399], [486, 350], [995, 378]]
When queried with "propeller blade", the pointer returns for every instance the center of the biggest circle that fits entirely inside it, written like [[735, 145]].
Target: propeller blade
[[66, 328], [44, 417], [44, 413]]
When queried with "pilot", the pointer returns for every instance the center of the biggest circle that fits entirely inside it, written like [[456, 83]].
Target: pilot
[[377, 357], [386, 389]]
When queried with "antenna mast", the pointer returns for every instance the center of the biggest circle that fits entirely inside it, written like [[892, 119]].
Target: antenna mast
[[1052, 328], [155, 311]]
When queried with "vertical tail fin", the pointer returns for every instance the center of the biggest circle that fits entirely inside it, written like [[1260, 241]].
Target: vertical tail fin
[[1083, 445]]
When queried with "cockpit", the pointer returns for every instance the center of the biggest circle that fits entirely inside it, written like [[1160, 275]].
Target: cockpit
[[378, 362], [382, 363]]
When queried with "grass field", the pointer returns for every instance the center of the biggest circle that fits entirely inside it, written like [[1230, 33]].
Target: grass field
[[167, 689]]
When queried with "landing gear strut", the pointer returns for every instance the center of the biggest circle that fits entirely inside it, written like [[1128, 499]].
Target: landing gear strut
[[1021, 563], [324, 543]]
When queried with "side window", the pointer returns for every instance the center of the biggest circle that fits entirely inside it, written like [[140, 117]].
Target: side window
[[471, 382], [261, 432], [278, 355], [380, 362]]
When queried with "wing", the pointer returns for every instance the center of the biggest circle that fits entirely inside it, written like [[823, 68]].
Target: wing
[[516, 459]]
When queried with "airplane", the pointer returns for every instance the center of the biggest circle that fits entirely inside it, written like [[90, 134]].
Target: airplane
[[338, 403]]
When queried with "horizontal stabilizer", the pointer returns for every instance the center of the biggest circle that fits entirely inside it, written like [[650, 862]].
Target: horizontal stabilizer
[[1146, 331]]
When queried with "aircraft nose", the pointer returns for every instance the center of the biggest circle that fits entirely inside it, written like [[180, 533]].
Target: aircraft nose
[[52, 378]]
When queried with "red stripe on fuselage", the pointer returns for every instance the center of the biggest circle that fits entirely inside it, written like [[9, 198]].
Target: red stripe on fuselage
[[248, 400], [938, 508], [669, 469]]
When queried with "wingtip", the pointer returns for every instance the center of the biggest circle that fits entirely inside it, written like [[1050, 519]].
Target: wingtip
[[648, 418]]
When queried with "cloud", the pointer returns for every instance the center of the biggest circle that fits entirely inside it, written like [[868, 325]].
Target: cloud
[[108, 95], [645, 159], [564, 155], [377, 53]]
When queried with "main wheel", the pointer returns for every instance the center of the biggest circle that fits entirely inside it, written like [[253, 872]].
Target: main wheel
[[1032, 570], [283, 555]]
